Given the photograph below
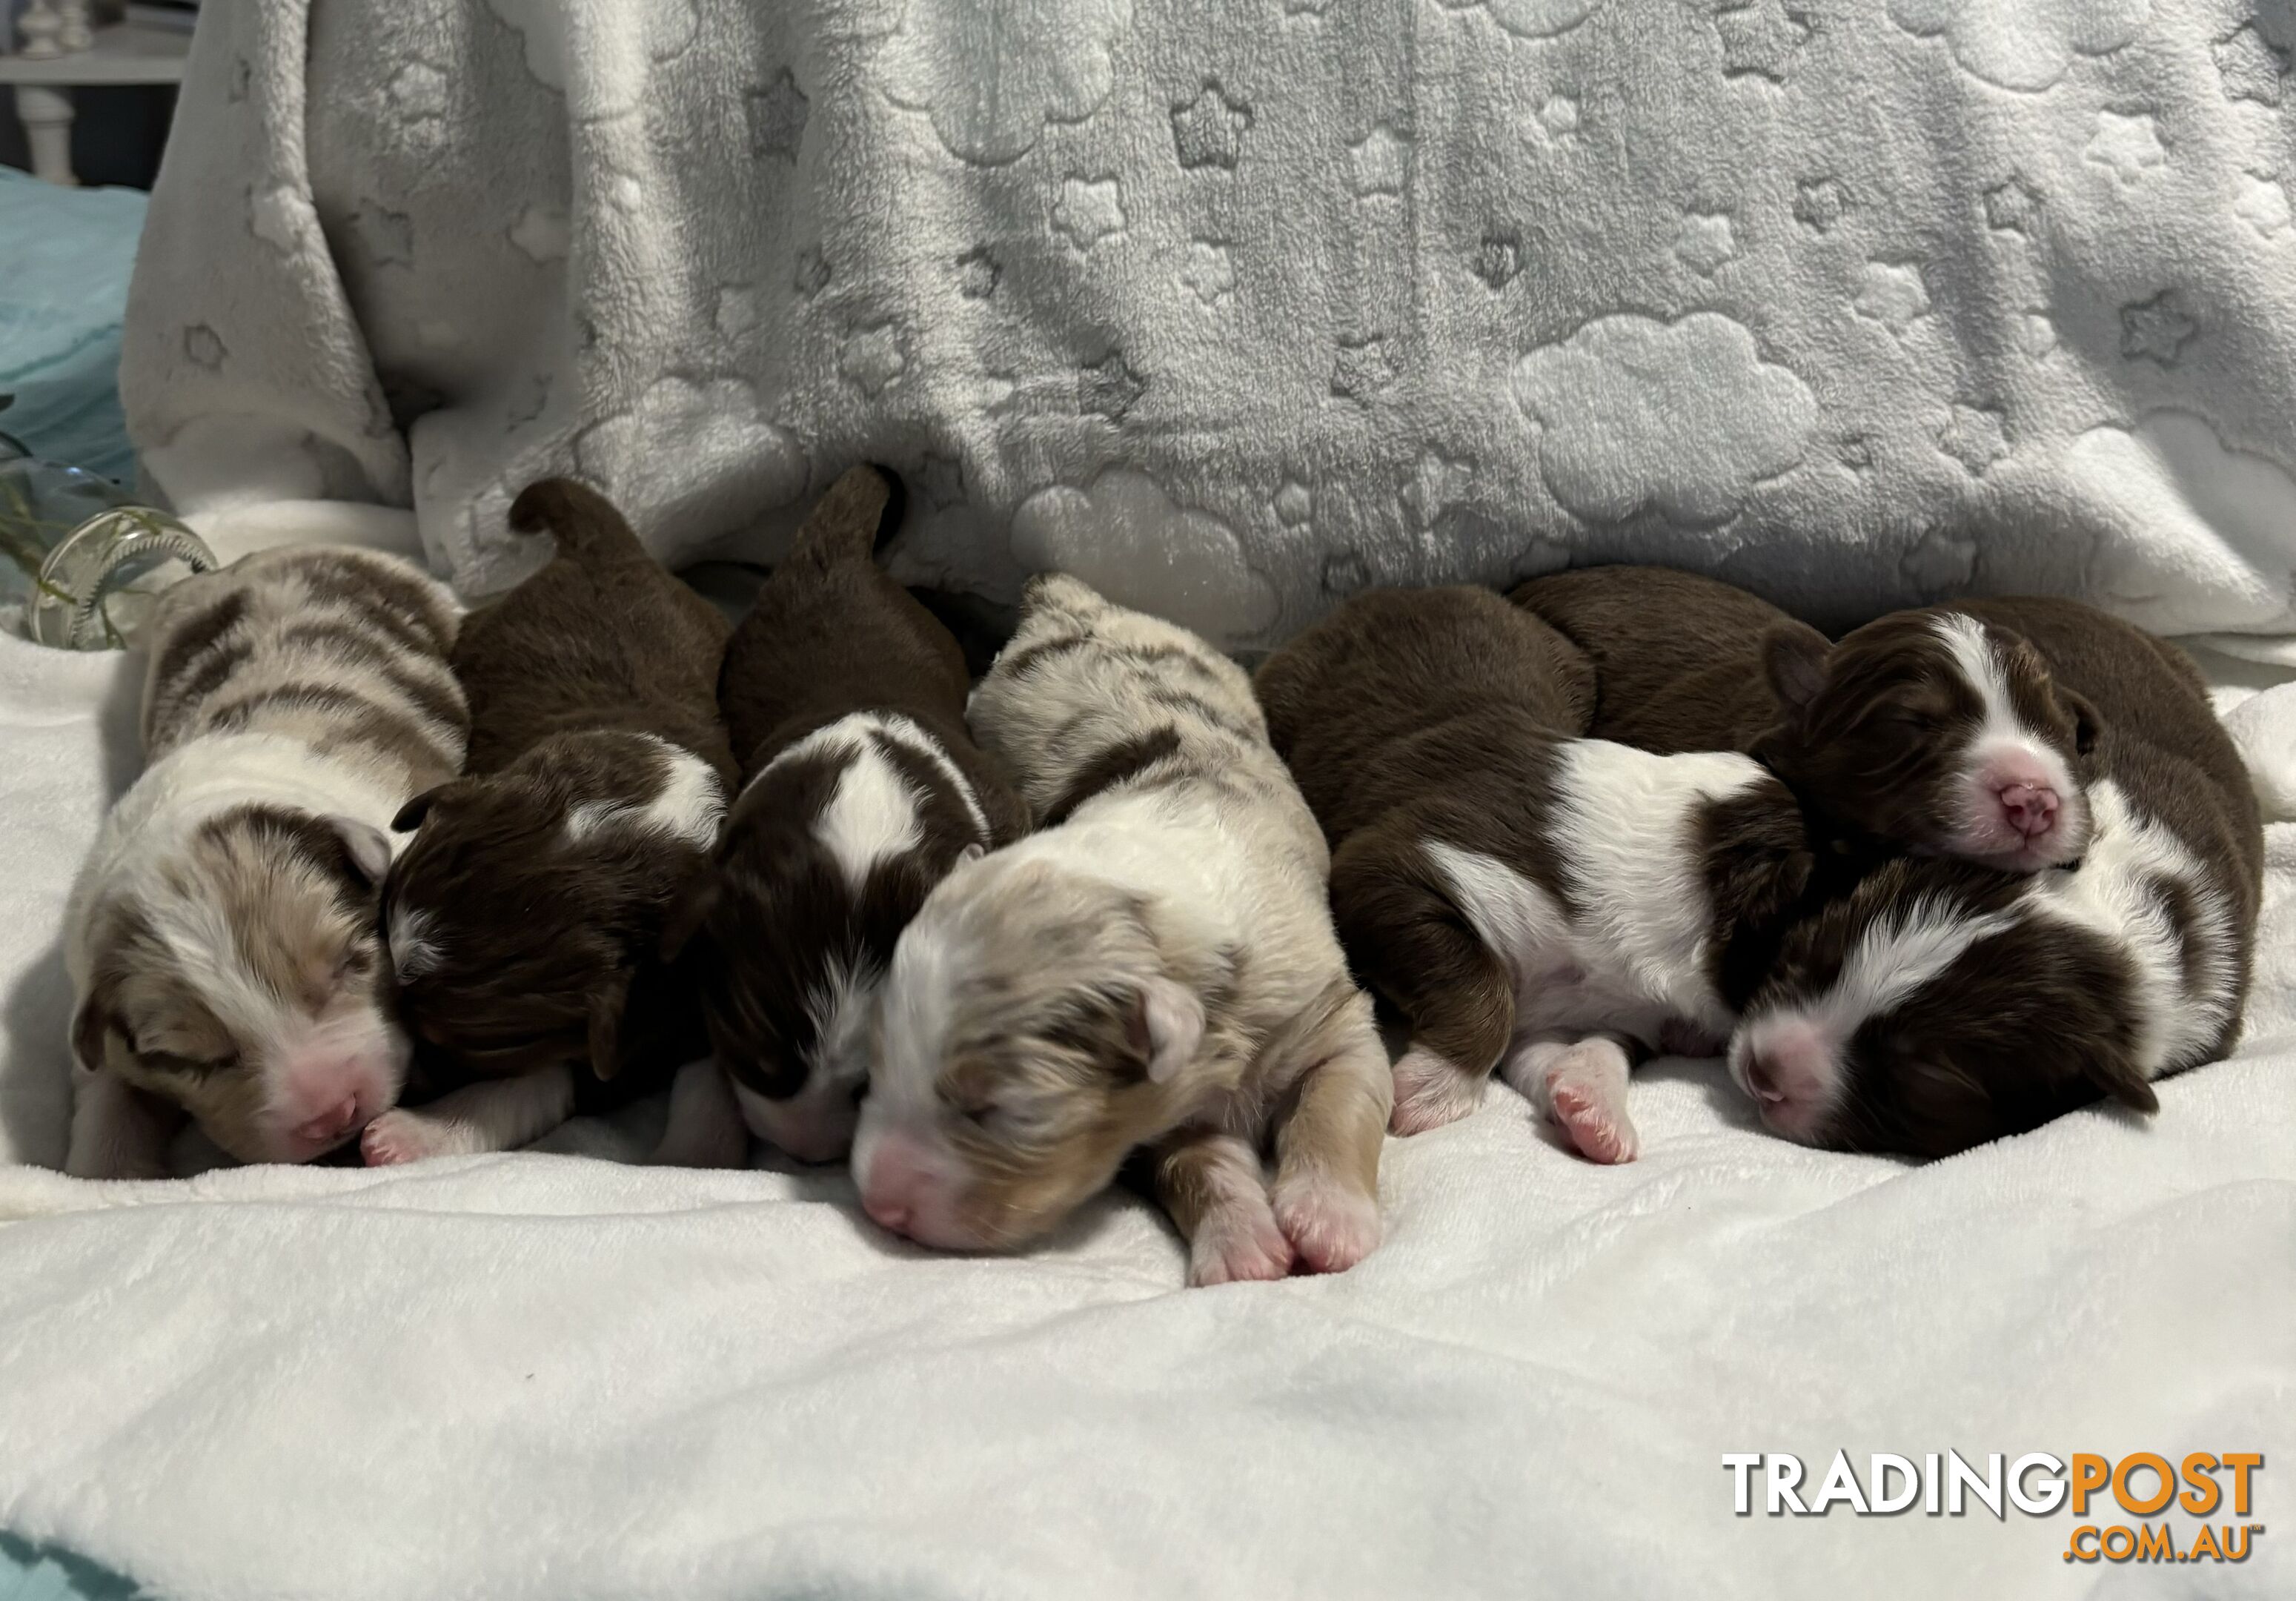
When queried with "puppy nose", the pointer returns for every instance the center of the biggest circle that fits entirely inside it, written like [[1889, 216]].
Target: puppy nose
[[900, 1173], [336, 1121], [2031, 808], [1762, 1074]]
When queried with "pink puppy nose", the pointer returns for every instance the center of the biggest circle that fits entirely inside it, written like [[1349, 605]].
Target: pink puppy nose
[[900, 1175], [2031, 808], [335, 1121]]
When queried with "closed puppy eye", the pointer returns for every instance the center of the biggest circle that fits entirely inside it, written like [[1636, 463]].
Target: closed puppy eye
[[189, 1067]]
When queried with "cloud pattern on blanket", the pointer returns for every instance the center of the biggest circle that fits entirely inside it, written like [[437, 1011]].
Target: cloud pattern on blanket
[[1239, 310]]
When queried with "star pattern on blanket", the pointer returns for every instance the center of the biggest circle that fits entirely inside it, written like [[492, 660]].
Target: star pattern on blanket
[[2252, 65], [386, 238], [1761, 37], [1975, 436], [1210, 271], [1893, 295], [1820, 202], [1089, 209], [2263, 204], [1345, 572], [2127, 142], [1361, 369], [1209, 130], [777, 115], [203, 347], [2157, 329], [1436, 481], [1705, 243], [2012, 206], [1380, 162], [873, 358]]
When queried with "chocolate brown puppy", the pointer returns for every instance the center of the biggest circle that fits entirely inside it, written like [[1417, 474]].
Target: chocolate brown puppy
[[1933, 730], [1527, 898], [525, 917], [861, 789], [1676, 656]]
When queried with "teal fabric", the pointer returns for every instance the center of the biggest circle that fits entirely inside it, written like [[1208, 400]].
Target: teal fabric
[[65, 256], [28, 1573]]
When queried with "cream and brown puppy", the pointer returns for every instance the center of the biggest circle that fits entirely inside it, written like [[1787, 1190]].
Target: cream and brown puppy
[[221, 936], [862, 788], [524, 917], [1155, 968]]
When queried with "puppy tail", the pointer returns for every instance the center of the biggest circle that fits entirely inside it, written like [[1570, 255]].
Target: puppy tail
[[585, 522], [852, 521]]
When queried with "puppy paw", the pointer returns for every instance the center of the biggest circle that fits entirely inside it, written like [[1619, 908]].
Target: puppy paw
[[1592, 1121], [1331, 1226], [400, 1135], [1240, 1249], [1431, 1092]]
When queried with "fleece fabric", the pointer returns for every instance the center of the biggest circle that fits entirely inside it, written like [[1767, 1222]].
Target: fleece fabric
[[1236, 308]]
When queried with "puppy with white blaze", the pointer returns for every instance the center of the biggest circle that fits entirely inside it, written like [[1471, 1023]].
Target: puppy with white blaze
[[1940, 1006], [1529, 900], [861, 789], [1153, 970], [222, 936]]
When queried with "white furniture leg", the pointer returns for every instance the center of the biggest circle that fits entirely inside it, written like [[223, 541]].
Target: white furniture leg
[[47, 115]]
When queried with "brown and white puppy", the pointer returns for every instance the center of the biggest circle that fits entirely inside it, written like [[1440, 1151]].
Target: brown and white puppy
[[524, 917], [1529, 899], [221, 936], [1941, 730], [1154, 968], [861, 789], [1932, 1010]]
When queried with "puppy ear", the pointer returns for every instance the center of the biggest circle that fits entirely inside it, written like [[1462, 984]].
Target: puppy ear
[[607, 1004], [689, 909], [1166, 1026], [370, 851], [411, 815], [2119, 1077], [1793, 659], [2087, 724], [92, 1026], [971, 853]]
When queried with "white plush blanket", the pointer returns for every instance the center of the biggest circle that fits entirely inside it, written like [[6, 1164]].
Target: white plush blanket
[[1233, 308], [557, 1377]]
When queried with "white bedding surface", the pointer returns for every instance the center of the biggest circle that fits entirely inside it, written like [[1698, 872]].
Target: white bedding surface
[[553, 1376]]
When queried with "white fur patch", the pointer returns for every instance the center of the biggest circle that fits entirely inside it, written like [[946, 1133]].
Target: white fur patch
[[2002, 731], [688, 807], [414, 945], [2110, 894], [871, 816]]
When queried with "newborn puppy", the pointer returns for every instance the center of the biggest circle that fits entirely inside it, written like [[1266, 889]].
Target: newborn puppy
[[862, 789], [221, 936], [1677, 657], [1941, 731], [1154, 968], [1527, 898], [524, 915], [1934, 1009]]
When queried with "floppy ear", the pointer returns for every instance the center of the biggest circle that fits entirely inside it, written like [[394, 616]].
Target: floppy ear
[[90, 1026], [1166, 1026], [370, 851], [411, 815], [2118, 1077], [607, 1004], [2087, 724], [1794, 659], [689, 909], [971, 853]]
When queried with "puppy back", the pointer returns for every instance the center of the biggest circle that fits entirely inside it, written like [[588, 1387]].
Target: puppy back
[[1676, 656]]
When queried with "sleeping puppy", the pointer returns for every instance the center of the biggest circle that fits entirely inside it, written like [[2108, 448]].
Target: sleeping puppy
[[1154, 969], [861, 789], [524, 917], [1941, 731], [221, 936], [1529, 900], [1932, 1009]]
